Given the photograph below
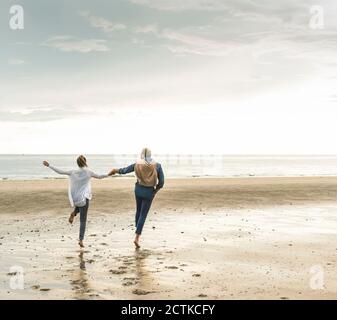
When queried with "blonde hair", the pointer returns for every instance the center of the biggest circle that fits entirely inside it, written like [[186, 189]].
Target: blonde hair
[[82, 161]]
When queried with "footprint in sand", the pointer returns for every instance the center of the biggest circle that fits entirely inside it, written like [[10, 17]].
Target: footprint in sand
[[35, 287], [141, 292], [171, 267], [117, 271], [129, 278], [129, 283], [197, 275]]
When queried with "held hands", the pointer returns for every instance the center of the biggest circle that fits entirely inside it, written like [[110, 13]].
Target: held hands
[[46, 163], [113, 172]]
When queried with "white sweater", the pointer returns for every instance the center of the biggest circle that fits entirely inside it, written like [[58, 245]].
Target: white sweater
[[79, 183]]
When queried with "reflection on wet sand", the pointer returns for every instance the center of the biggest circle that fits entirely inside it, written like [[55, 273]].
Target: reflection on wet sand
[[142, 273], [136, 272], [81, 285], [82, 262]]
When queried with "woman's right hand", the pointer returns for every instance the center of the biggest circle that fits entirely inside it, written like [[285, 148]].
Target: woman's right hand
[[155, 191], [46, 163]]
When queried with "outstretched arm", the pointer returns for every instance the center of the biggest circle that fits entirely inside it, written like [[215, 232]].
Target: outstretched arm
[[46, 163], [98, 176], [125, 170]]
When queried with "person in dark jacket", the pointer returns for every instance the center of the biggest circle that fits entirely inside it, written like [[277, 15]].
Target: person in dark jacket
[[150, 179]]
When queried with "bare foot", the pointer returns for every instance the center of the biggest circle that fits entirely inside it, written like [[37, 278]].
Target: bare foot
[[81, 244], [71, 218], [136, 244]]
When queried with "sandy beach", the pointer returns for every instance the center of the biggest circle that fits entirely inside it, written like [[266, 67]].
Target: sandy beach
[[239, 238]]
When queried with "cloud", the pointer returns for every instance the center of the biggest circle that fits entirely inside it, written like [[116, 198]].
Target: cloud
[[150, 28], [179, 5], [250, 8], [183, 41], [102, 23], [23, 43], [15, 61], [187, 43], [227, 26], [277, 29], [71, 44], [37, 115]]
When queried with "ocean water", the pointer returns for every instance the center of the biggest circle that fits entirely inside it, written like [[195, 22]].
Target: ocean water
[[175, 166]]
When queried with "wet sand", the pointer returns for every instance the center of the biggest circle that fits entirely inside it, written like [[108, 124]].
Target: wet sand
[[240, 238]]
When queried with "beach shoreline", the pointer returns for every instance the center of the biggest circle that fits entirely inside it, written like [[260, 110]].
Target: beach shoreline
[[259, 238], [243, 176]]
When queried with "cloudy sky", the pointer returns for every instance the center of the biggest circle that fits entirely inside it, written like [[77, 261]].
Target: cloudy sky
[[192, 76]]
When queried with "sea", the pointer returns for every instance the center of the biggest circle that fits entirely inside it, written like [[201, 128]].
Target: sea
[[29, 167]]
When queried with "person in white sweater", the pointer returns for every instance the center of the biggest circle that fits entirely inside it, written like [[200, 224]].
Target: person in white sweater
[[79, 191]]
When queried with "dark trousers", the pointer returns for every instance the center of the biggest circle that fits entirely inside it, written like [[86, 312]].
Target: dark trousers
[[143, 207], [83, 211]]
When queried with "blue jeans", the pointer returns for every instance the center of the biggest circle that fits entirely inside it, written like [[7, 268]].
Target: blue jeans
[[83, 211], [143, 207]]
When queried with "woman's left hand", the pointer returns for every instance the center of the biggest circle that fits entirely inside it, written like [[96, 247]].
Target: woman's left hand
[[113, 171]]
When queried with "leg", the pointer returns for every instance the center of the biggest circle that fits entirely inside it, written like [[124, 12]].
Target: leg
[[76, 210], [73, 215], [83, 222], [145, 207], [136, 242], [138, 208]]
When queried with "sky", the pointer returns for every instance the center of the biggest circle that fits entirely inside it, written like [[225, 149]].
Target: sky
[[193, 76]]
